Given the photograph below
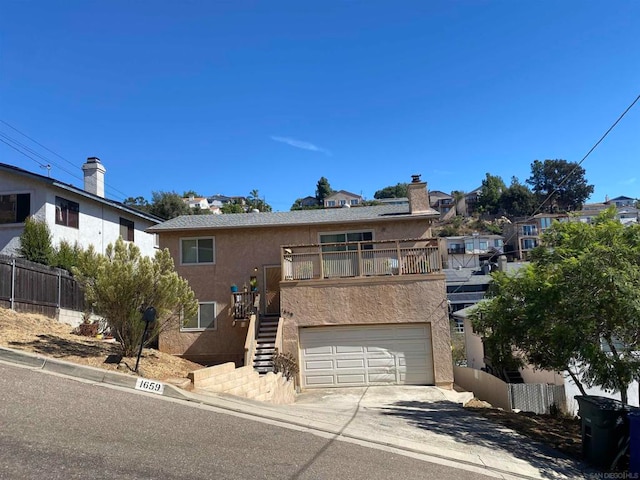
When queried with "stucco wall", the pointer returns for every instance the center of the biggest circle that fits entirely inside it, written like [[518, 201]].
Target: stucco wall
[[99, 224], [238, 252], [377, 300]]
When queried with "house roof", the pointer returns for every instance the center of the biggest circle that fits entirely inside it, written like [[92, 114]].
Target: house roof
[[342, 193], [439, 194], [378, 213], [78, 191]]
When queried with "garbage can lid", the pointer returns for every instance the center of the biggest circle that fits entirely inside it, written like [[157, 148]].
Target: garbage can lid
[[601, 403]]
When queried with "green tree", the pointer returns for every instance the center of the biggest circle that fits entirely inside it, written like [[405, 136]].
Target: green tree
[[394, 191], [323, 190], [256, 203], [232, 207], [122, 283], [517, 200], [575, 307], [168, 205], [561, 185], [490, 192], [66, 256], [191, 193], [139, 203], [35, 241]]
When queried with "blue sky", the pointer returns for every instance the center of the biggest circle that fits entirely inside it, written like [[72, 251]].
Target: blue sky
[[230, 96]]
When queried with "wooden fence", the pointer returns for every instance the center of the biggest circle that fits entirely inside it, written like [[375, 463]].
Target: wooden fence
[[30, 287]]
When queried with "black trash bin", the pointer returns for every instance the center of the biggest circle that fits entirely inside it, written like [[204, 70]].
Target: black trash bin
[[605, 429], [634, 446]]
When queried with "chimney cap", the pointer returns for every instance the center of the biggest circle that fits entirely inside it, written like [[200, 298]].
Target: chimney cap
[[415, 178], [93, 160]]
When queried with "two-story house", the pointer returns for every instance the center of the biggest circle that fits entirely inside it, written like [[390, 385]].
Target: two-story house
[[441, 201], [82, 216], [472, 251], [342, 198], [522, 236], [356, 295]]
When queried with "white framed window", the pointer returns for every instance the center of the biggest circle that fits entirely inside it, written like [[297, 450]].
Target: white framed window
[[354, 201], [156, 240], [205, 319], [458, 325], [343, 202], [331, 203], [197, 250]]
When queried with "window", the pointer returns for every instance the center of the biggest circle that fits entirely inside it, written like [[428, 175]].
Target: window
[[343, 202], [484, 245], [126, 229], [354, 201], [156, 240], [15, 208], [345, 237], [205, 319], [498, 243], [197, 250], [458, 325], [67, 213], [545, 222], [468, 246], [529, 230], [529, 243], [331, 203]]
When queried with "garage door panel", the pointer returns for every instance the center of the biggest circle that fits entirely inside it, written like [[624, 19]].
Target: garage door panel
[[319, 364], [349, 363], [366, 355], [349, 349], [319, 350]]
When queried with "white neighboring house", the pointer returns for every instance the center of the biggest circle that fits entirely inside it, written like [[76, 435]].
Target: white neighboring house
[[72, 214]]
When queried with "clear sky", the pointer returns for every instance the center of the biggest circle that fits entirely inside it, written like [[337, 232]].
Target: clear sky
[[230, 96]]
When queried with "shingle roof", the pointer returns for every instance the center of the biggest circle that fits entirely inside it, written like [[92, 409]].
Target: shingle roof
[[297, 217]]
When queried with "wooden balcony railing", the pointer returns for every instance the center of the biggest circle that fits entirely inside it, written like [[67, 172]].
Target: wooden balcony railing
[[360, 259], [244, 304]]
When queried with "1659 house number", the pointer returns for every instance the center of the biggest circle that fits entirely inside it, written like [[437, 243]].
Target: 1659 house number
[[149, 386]]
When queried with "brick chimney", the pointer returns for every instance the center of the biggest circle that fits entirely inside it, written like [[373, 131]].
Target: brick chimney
[[94, 176], [418, 196]]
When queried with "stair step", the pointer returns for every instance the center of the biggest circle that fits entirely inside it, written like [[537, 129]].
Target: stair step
[[265, 351]]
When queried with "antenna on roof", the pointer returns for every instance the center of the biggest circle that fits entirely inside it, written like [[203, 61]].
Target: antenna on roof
[[48, 167]]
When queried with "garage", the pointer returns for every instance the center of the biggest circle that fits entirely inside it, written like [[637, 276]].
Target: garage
[[350, 356]]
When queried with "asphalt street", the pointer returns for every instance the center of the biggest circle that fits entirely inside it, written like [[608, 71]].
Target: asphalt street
[[54, 427]]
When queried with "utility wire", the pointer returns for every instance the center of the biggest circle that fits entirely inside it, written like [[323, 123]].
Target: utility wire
[[111, 188], [562, 182]]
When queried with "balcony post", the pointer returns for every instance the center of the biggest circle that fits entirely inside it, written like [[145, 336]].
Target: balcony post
[[359, 259], [321, 262], [398, 252]]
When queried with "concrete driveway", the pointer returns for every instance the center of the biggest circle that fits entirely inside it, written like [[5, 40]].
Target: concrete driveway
[[427, 420]]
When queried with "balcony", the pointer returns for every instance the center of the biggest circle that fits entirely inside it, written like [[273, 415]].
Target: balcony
[[244, 304], [360, 259]]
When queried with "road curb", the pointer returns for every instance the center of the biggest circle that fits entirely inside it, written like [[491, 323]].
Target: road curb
[[248, 408]]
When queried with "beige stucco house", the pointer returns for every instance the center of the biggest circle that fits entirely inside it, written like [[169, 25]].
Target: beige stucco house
[[355, 295]]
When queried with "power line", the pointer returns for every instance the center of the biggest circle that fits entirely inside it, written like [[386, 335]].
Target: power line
[[50, 162], [562, 182]]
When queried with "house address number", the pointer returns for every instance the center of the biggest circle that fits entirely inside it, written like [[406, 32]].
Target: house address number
[[149, 386]]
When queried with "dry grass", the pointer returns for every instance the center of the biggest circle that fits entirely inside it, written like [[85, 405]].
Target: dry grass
[[44, 336]]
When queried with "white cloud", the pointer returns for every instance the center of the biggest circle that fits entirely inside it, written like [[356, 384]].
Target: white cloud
[[628, 181], [301, 144]]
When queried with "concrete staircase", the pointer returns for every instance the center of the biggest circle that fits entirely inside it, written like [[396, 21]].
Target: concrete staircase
[[243, 382], [265, 345]]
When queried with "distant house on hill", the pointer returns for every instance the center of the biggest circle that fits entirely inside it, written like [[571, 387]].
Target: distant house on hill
[[342, 198]]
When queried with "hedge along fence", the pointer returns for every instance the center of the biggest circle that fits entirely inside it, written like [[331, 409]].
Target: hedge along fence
[[30, 287]]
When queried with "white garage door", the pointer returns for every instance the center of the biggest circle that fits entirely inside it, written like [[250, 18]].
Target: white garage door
[[366, 355]]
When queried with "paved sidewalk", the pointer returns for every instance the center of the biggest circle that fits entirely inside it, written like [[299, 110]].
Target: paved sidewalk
[[416, 421]]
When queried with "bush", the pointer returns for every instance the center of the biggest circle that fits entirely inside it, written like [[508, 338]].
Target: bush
[[285, 363], [35, 242]]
